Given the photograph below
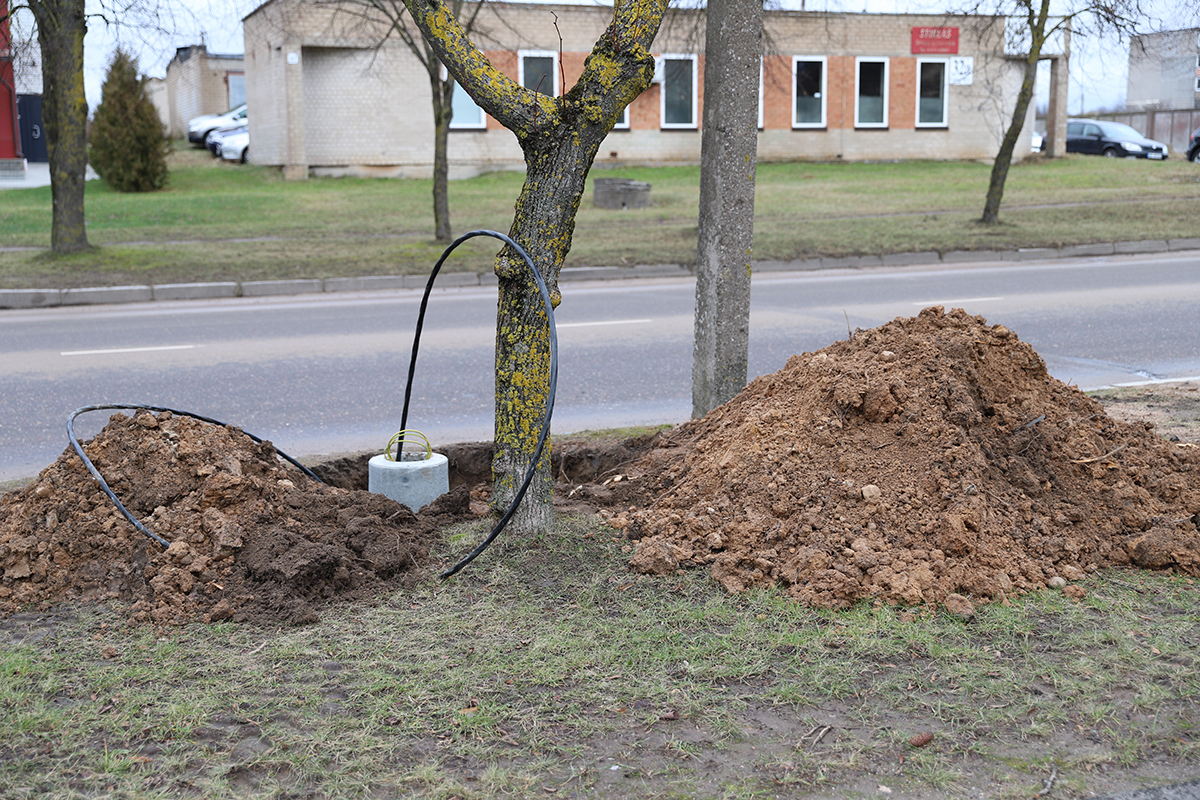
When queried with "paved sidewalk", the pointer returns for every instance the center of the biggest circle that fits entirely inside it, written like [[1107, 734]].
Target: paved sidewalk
[[44, 298], [37, 174]]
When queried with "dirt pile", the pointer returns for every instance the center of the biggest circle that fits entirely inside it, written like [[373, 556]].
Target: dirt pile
[[930, 457], [250, 539]]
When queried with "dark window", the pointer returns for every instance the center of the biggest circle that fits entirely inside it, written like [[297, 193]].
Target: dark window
[[809, 104], [932, 104], [538, 74], [872, 93], [678, 92]]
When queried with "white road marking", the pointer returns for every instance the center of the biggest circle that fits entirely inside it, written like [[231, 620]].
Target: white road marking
[[1159, 380], [127, 350], [956, 303], [608, 322]]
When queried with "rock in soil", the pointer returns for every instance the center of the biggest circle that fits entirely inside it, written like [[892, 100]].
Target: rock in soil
[[250, 540], [930, 457]]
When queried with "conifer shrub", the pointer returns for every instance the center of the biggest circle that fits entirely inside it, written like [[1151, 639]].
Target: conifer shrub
[[128, 146]]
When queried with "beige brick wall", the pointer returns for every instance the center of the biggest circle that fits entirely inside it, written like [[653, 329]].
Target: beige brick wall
[[355, 108], [197, 86]]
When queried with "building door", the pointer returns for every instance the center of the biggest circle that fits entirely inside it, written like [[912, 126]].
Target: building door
[[33, 135]]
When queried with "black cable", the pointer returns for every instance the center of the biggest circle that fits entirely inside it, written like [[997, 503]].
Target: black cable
[[412, 366], [529, 472], [87, 462]]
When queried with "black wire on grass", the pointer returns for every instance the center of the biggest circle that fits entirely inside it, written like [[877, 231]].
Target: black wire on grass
[[545, 431], [529, 472], [87, 462]]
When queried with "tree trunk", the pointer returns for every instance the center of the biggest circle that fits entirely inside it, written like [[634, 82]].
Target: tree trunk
[[443, 112], [995, 192], [61, 28], [544, 223], [728, 156]]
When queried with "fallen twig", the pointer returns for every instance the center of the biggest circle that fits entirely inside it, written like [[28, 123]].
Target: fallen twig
[[1109, 454], [1048, 784]]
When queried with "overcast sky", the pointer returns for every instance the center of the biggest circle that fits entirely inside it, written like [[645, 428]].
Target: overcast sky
[[1098, 68]]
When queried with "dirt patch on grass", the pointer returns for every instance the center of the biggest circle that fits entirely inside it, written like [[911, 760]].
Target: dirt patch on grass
[[932, 460], [249, 539]]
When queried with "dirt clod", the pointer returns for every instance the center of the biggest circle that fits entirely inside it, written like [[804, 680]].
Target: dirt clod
[[931, 457]]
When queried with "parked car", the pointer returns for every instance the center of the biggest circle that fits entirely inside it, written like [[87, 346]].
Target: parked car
[[1193, 151], [200, 127], [1038, 142], [1103, 138], [235, 145], [217, 137]]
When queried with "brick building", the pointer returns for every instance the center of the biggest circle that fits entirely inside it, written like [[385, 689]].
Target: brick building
[[198, 82], [325, 100]]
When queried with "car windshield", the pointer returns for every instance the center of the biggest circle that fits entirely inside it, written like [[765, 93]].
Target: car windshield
[[1115, 130]]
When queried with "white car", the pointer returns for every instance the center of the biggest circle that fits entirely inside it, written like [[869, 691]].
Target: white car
[[236, 146], [200, 127]]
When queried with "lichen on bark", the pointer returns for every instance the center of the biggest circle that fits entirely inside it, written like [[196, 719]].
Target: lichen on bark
[[559, 137]]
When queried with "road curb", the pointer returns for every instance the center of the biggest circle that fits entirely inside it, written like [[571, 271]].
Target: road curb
[[45, 298]]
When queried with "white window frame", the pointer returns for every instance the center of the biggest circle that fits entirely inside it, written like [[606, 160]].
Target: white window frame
[[551, 54], [623, 122], [762, 68], [662, 93], [455, 124], [858, 62], [945, 123], [824, 123]]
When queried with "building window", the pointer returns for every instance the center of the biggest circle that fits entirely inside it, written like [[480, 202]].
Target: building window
[[467, 115], [678, 91], [539, 71], [761, 71], [871, 93], [931, 93], [623, 122], [808, 81], [237, 88]]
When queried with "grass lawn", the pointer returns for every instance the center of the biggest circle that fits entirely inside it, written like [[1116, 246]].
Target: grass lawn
[[219, 221], [549, 670]]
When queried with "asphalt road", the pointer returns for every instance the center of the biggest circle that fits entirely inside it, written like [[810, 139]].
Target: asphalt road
[[325, 373]]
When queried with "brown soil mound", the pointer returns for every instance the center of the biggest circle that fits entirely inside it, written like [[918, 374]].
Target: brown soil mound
[[250, 540], [929, 457]]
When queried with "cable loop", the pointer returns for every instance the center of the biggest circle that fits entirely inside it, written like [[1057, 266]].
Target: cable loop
[[104, 487], [398, 439]]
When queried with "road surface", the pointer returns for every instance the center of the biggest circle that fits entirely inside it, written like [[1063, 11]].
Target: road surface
[[323, 374]]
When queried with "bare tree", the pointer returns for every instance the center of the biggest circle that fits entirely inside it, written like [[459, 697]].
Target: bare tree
[[61, 26], [1038, 25], [390, 17], [559, 137]]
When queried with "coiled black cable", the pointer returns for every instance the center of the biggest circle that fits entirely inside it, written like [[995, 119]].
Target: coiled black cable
[[529, 473], [545, 431], [87, 462]]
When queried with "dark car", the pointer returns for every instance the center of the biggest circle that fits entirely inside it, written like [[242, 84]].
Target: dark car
[[1103, 138], [1193, 151]]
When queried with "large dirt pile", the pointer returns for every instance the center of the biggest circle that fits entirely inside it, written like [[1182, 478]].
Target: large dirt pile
[[928, 457], [250, 539]]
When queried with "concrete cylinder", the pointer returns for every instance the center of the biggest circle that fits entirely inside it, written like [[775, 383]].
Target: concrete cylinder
[[416, 481]]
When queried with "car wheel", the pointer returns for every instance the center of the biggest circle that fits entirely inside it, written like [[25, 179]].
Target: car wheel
[[1194, 156], [1110, 152], [246, 156]]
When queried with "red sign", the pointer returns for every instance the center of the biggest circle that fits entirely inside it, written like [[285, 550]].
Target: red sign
[[942, 41]]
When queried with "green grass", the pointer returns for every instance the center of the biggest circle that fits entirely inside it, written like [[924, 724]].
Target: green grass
[[218, 221], [548, 663]]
